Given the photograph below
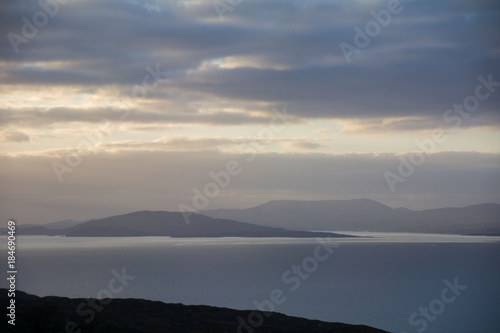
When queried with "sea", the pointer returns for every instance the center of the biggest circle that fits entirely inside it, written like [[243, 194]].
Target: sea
[[393, 281]]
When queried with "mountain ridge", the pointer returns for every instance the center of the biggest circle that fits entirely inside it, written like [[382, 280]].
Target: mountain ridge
[[173, 224], [286, 218], [367, 215], [130, 315]]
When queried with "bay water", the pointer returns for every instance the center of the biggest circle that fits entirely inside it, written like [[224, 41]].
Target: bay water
[[394, 282]]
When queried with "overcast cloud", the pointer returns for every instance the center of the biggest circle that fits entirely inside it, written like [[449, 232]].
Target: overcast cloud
[[182, 88]]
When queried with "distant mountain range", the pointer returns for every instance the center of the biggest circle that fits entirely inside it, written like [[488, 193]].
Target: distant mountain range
[[161, 223], [284, 218], [367, 215]]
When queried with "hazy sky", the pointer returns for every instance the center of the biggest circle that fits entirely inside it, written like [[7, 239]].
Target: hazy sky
[[108, 107]]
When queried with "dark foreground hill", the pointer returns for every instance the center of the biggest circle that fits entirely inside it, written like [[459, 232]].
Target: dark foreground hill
[[63, 315], [173, 224]]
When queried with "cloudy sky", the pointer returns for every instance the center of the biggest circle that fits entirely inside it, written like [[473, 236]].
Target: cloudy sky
[[108, 106]]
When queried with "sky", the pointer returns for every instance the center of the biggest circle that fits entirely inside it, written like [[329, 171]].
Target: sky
[[109, 107]]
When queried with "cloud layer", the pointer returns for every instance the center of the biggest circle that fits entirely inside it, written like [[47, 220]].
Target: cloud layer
[[262, 53], [153, 95], [116, 182]]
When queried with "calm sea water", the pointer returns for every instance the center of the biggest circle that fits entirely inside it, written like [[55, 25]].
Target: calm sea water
[[379, 281]]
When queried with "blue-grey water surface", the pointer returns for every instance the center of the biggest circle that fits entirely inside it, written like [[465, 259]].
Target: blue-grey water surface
[[378, 282]]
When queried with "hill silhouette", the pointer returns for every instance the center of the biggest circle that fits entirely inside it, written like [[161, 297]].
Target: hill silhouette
[[53, 314], [366, 215], [173, 224]]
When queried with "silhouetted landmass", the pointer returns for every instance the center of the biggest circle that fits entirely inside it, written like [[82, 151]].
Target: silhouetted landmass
[[367, 215], [160, 223], [59, 314], [62, 224], [53, 225], [285, 218]]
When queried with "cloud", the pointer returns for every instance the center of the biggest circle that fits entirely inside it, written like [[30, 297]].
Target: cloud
[[274, 52], [323, 130], [108, 183], [388, 126], [93, 141], [14, 136], [306, 145], [216, 81], [51, 116]]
